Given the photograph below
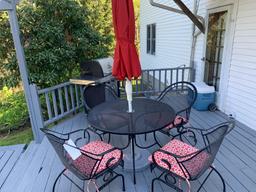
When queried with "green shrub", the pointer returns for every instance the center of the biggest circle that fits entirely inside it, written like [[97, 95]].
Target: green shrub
[[56, 36], [13, 110]]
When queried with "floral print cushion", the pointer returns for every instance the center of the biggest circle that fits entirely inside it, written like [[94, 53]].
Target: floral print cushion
[[85, 164], [180, 148]]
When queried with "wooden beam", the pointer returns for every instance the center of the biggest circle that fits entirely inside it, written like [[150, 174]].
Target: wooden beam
[[24, 74], [192, 17]]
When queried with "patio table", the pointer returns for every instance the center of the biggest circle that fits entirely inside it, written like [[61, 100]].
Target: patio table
[[148, 116]]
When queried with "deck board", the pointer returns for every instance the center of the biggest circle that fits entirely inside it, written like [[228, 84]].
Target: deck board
[[10, 156], [38, 167]]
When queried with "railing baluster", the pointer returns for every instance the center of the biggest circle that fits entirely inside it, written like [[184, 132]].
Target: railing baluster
[[177, 75], [148, 80], [72, 96], [77, 99], [61, 101], [137, 87], [81, 95], [171, 76], [48, 105], [165, 78], [154, 73], [66, 98], [160, 79], [141, 83], [55, 108], [183, 76]]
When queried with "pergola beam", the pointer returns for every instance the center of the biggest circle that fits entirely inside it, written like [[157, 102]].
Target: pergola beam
[[192, 17], [196, 19]]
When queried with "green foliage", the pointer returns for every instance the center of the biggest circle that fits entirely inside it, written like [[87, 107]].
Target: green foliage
[[137, 20], [99, 18], [56, 36], [13, 110]]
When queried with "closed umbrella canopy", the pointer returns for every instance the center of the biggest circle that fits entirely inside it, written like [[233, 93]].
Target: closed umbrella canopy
[[126, 61]]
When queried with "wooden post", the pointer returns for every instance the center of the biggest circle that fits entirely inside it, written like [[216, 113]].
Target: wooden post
[[23, 71], [192, 17], [38, 117]]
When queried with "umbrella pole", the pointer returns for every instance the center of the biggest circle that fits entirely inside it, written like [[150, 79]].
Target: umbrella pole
[[128, 89]]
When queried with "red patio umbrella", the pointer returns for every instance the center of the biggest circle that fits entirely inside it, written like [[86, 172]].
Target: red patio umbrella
[[126, 61]]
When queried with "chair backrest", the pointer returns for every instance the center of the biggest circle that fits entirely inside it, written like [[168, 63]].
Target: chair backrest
[[58, 140], [97, 94], [197, 164], [180, 96], [91, 69]]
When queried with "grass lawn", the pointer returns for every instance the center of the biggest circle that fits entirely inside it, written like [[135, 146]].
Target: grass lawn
[[17, 137]]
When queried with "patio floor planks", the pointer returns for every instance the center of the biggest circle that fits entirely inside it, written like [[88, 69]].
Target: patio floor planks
[[37, 168], [8, 158]]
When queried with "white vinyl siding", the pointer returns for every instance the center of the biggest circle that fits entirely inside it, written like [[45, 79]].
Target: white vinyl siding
[[173, 36]]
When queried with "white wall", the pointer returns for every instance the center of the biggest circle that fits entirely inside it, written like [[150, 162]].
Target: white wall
[[173, 44], [173, 36]]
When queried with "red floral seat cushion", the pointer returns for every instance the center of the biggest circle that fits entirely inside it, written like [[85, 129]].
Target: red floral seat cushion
[[85, 164], [180, 148]]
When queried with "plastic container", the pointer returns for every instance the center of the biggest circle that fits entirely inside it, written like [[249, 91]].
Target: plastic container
[[205, 96]]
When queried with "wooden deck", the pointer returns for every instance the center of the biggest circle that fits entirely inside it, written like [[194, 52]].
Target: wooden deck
[[35, 169]]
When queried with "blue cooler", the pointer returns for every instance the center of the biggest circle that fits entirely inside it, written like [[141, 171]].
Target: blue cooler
[[205, 96]]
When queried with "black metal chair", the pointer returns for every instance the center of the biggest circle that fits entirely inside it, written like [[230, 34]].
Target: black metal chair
[[97, 158], [96, 94], [180, 96], [189, 159]]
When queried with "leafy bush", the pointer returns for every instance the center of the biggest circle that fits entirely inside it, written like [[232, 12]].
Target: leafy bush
[[13, 110], [56, 36]]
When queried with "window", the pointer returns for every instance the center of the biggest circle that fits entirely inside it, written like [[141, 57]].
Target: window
[[151, 39]]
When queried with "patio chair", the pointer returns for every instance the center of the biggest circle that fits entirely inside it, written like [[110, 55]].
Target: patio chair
[[180, 96], [187, 162], [96, 159], [96, 94]]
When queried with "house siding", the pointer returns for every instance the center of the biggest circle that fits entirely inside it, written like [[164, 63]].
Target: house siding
[[174, 47], [173, 42]]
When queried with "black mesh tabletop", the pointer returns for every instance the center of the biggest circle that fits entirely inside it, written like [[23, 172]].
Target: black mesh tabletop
[[148, 116]]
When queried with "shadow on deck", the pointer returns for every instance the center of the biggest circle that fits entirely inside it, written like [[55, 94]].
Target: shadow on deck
[[35, 169]]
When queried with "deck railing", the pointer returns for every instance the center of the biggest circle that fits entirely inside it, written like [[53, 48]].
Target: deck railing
[[60, 101], [54, 103], [154, 81]]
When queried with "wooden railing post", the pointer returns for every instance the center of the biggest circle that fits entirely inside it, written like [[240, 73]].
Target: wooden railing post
[[37, 116]]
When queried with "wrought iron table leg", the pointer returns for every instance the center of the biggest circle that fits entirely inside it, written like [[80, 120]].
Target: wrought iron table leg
[[133, 158]]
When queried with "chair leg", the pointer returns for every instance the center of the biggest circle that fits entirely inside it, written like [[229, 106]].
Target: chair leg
[[153, 183], [112, 179], [122, 177], [170, 185], [55, 182], [222, 180]]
